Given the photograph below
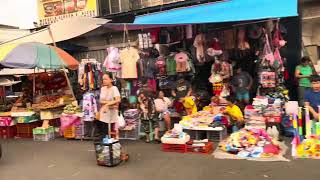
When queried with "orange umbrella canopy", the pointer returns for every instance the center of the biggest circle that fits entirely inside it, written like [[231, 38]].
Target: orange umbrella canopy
[[33, 54]]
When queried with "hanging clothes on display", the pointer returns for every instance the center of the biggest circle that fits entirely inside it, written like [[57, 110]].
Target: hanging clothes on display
[[129, 57], [145, 41], [199, 44], [89, 75], [112, 61], [171, 65], [181, 62], [242, 40], [89, 106]]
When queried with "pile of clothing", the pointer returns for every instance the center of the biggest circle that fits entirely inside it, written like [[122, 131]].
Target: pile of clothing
[[175, 136], [203, 119], [251, 143]]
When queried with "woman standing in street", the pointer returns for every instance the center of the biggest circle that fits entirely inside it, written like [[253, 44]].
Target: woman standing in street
[[109, 100]]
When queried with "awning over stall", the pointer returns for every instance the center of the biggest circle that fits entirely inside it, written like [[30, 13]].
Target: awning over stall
[[223, 11], [61, 30]]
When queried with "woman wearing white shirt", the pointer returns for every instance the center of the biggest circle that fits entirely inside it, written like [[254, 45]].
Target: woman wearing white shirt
[[109, 100], [162, 106]]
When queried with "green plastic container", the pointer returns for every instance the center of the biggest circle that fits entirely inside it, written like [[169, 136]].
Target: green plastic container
[[40, 130]]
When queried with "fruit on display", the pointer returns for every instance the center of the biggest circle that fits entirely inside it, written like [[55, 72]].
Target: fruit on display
[[71, 109]]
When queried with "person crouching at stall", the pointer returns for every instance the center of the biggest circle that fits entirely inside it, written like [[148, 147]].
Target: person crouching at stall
[[234, 112], [109, 100], [149, 117]]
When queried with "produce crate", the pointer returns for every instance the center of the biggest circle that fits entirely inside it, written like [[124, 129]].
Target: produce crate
[[207, 149], [8, 132], [214, 136], [76, 131], [40, 130], [70, 132], [25, 130], [217, 136], [179, 148], [6, 121], [79, 131], [41, 134]]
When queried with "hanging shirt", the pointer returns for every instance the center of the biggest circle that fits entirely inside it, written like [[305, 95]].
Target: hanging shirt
[[129, 58], [171, 66], [89, 106], [112, 61], [145, 41]]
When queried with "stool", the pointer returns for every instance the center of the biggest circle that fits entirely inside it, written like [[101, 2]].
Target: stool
[[151, 130]]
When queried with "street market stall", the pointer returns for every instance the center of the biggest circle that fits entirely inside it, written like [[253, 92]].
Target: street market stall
[[49, 91]]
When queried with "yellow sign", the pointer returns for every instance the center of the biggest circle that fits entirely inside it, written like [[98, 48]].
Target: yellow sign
[[51, 11]]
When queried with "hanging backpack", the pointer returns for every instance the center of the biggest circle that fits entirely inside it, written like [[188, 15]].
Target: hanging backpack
[[161, 65]]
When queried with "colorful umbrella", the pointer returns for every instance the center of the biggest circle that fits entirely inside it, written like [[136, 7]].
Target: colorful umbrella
[[33, 54]]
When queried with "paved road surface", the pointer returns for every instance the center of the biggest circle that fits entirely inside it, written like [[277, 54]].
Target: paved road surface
[[74, 160]]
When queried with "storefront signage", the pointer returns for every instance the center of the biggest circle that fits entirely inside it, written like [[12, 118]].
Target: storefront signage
[[51, 11]]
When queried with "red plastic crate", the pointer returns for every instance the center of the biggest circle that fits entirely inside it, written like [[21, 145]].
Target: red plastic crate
[[8, 132], [25, 130], [179, 148], [207, 149]]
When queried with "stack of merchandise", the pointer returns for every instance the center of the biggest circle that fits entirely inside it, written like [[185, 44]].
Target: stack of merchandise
[[251, 143], [204, 119], [262, 110], [131, 128], [175, 136]]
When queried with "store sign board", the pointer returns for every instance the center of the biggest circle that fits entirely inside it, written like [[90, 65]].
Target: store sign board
[[51, 11]]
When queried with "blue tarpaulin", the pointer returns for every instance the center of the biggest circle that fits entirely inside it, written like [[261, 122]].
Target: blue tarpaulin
[[223, 11]]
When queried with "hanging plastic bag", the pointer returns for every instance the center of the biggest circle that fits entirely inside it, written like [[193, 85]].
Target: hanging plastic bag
[[121, 121]]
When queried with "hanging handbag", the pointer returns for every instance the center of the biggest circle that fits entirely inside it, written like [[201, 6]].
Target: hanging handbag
[[267, 52]]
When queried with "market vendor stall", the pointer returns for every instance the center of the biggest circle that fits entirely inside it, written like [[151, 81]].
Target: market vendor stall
[[51, 91], [211, 123]]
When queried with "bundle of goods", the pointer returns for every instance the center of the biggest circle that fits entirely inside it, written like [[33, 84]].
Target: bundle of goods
[[204, 119], [263, 110], [309, 148], [67, 121], [175, 136], [109, 152], [43, 134], [251, 143]]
